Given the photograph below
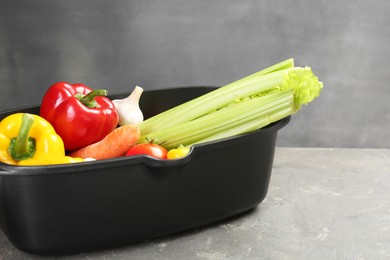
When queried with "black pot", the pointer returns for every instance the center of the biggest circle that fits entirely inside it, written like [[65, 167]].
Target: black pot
[[70, 208]]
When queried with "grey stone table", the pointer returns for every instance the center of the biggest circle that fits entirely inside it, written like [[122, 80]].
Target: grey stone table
[[321, 204]]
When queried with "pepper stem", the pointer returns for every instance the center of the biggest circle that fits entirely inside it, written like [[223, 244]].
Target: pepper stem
[[23, 146], [89, 99]]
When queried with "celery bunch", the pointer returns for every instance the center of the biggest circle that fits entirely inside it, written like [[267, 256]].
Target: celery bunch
[[239, 107]]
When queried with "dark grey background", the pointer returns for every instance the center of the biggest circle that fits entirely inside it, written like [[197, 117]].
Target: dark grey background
[[156, 44]]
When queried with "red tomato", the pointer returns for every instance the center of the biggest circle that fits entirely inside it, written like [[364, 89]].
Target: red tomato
[[151, 149]]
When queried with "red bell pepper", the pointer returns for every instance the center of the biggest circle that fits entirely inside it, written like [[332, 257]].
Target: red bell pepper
[[80, 115]]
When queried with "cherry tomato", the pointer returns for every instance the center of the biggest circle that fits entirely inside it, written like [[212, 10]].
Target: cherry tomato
[[177, 153], [154, 150]]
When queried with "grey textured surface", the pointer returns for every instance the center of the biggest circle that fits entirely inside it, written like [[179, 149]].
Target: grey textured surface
[[322, 204], [156, 44]]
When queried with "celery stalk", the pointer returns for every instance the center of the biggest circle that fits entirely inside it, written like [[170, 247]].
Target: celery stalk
[[249, 126], [218, 98], [223, 120], [239, 107]]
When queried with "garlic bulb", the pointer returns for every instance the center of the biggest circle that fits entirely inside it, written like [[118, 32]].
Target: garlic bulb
[[128, 108]]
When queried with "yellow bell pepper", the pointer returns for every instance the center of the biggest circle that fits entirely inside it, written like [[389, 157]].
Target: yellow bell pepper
[[27, 139]]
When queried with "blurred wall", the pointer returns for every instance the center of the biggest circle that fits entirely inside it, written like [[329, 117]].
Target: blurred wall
[[156, 44]]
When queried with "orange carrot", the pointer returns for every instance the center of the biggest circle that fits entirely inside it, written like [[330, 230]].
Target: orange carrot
[[115, 144]]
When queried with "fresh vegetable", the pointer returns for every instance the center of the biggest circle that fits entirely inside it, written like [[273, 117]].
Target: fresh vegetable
[[115, 144], [128, 108], [27, 139], [239, 107], [150, 148], [178, 153], [80, 115]]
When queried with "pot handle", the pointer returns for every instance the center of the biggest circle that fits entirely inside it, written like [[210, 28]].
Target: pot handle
[[168, 163], [165, 168]]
